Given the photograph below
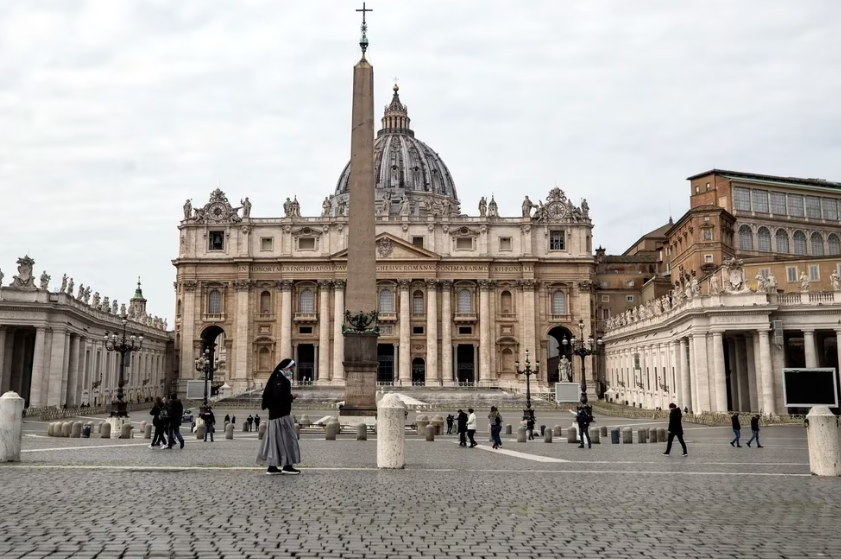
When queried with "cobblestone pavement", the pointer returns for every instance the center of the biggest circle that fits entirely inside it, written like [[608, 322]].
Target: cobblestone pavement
[[118, 498]]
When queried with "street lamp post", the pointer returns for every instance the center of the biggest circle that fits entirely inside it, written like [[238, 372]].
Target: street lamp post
[[124, 345], [204, 364], [528, 413], [582, 348]]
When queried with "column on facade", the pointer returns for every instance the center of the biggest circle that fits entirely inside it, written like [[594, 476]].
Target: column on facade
[[809, 348], [527, 317], [485, 330], [324, 330], [754, 388], [744, 374], [719, 378], [405, 366], [766, 372], [73, 372], [286, 319], [242, 339], [58, 358], [685, 394], [446, 332], [433, 373], [734, 375], [338, 337], [701, 377], [5, 372], [187, 368]]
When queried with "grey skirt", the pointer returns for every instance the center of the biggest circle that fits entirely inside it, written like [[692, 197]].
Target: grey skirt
[[280, 445]]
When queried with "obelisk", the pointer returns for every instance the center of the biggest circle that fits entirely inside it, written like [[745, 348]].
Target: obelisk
[[360, 329]]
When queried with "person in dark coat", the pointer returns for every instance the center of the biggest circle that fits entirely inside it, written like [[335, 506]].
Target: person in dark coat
[[462, 428], [737, 430], [250, 421], [175, 410], [675, 429], [209, 423], [450, 421], [584, 416], [754, 431], [257, 421], [279, 448], [227, 418], [160, 425]]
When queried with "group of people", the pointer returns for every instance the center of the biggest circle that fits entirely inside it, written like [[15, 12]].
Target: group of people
[[737, 431], [166, 419], [465, 424]]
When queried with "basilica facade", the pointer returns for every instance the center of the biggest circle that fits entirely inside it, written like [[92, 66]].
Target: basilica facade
[[463, 297]]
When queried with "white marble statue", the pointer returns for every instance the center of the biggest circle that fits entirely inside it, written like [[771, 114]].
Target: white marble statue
[[714, 287], [188, 209], [565, 369], [70, 286], [835, 280], [483, 207], [287, 207], [527, 207], [696, 287], [95, 302], [386, 206], [86, 297], [63, 287], [405, 206], [45, 281], [114, 307], [804, 282], [325, 207], [106, 306], [123, 309], [246, 207], [688, 290], [81, 292], [772, 283], [761, 283]]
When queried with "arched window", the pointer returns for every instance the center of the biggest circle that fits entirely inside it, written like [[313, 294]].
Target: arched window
[[265, 302], [508, 360], [834, 245], [745, 238], [307, 301], [386, 301], [465, 301], [265, 361], [559, 303], [764, 237], [214, 302], [506, 302], [799, 243], [817, 244], [782, 241], [417, 303]]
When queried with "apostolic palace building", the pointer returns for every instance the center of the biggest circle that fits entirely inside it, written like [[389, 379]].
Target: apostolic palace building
[[464, 293]]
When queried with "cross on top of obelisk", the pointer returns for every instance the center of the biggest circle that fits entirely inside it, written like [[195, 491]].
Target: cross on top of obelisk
[[363, 42]]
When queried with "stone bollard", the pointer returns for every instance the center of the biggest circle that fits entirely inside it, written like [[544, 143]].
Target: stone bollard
[[642, 435], [104, 430], [298, 431], [305, 421], [11, 426], [98, 428], [147, 433], [200, 432], [508, 429], [521, 434], [261, 432], [438, 422], [391, 437], [330, 431], [603, 431], [572, 435], [76, 430], [361, 432], [559, 431], [614, 436], [49, 429], [229, 431], [662, 435], [652, 435], [627, 436], [430, 433], [421, 423], [595, 436], [143, 426], [244, 426], [547, 435], [66, 428], [822, 439], [126, 431]]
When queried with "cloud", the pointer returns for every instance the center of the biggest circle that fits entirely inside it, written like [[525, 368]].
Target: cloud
[[113, 113]]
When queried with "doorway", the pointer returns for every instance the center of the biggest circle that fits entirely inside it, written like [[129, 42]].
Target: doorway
[[554, 351], [418, 371], [305, 368], [385, 362], [466, 371]]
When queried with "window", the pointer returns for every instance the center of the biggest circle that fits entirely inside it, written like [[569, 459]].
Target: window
[[465, 301], [505, 244], [778, 203], [216, 240], [760, 201], [465, 330], [706, 218], [782, 241], [795, 205], [265, 302], [817, 244], [745, 238], [386, 301], [708, 258], [833, 245], [464, 243], [267, 244], [605, 284], [605, 298], [814, 272], [799, 243], [791, 274], [697, 189], [830, 210], [708, 187], [214, 302], [605, 314], [707, 233], [306, 302], [559, 304], [764, 237], [556, 240], [629, 298], [813, 207], [417, 303], [417, 241], [629, 283], [741, 199], [417, 330], [306, 243], [308, 329], [506, 302]]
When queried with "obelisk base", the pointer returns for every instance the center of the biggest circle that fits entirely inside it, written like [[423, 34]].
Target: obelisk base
[[360, 375]]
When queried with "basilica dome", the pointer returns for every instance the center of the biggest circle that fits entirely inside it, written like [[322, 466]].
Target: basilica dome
[[404, 165]]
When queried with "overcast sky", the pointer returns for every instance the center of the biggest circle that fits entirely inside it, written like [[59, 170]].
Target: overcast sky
[[113, 112]]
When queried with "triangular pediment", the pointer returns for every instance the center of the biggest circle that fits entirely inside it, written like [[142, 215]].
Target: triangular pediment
[[390, 247]]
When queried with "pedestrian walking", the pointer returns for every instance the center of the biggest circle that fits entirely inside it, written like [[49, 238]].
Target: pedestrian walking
[[584, 416], [160, 421], [737, 430], [530, 427], [279, 448], [496, 426], [250, 421], [450, 420], [472, 421], [227, 418], [175, 409], [754, 431], [462, 428], [209, 423], [234, 421], [675, 430], [257, 421]]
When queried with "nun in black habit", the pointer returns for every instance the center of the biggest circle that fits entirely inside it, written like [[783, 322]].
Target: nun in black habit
[[279, 449]]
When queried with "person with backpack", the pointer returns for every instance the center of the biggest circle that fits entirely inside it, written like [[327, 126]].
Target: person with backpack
[[175, 410], [450, 420], [584, 416], [496, 426], [675, 430], [737, 430], [160, 420], [462, 428], [250, 420], [754, 431], [530, 427], [209, 423]]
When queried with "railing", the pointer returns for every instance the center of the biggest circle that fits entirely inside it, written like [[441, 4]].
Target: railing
[[465, 317], [216, 317], [789, 299], [306, 317], [387, 317], [821, 297], [560, 318]]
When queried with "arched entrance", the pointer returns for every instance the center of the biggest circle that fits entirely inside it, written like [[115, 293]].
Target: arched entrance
[[554, 350], [213, 338], [418, 371]]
